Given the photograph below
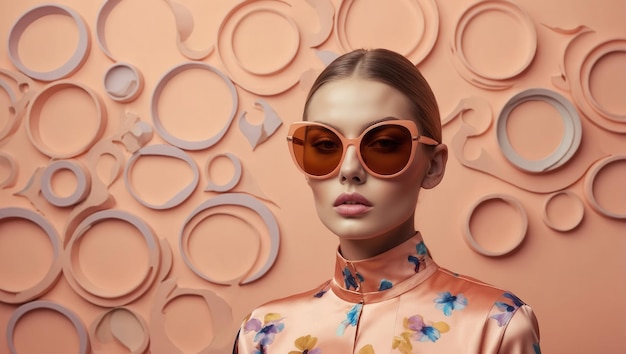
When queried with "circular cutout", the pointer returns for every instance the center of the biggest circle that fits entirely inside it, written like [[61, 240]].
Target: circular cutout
[[83, 183], [34, 118], [211, 186], [615, 193], [85, 287], [54, 270], [563, 211], [185, 144], [569, 144], [123, 82], [10, 177], [494, 202], [276, 25], [464, 66], [32, 15], [81, 331]]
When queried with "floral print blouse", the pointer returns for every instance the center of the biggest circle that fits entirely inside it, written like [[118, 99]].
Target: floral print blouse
[[400, 301]]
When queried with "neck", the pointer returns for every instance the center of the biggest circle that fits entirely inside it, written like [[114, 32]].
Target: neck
[[357, 249]]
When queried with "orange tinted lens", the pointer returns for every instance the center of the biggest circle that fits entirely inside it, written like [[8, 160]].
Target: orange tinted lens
[[317, 149], [386, 149]]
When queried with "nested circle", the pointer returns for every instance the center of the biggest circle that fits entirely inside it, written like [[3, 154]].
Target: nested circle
[[123, 82], [418, 35], [27, 308], [517, 239], [158, 125], [570, 142], [54, 270], [33, 118], [617, 194], [507, 8], [84, 286], [590, 62], [33, 15], [563, 211], [83, 183], [248, 55], [235, 199]]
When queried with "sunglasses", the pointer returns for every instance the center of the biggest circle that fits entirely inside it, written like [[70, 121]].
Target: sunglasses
[[385, 149]]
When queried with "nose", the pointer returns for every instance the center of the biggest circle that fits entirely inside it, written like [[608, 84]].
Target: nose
[[351, 170]]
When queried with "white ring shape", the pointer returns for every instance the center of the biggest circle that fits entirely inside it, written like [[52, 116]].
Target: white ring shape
[[237, 199], [83, 336], [55, 268], [83, 183], [32, 15], [32, 123], [167, 151], [211, 186], [87, 289], [186, 144], [466, 69], [469, 238], [123, 82], [590, 181], [572, 134]]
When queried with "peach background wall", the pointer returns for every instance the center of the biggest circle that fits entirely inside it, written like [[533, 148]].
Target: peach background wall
[[128, 290]]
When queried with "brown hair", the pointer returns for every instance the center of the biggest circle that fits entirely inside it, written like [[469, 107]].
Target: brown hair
[[390, 68]]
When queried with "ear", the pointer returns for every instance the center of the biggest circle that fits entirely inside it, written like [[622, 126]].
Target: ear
[[437, 168]]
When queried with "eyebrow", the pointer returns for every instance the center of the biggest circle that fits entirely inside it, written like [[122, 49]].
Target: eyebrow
[[369, 125]]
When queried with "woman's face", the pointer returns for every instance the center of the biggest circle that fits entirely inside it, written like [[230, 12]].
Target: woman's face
[[354, 204]]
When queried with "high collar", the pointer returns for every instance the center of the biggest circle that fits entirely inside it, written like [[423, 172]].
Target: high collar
[[384, 276]]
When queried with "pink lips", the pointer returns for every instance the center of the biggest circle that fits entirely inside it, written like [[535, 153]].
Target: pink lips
[[352, 205]]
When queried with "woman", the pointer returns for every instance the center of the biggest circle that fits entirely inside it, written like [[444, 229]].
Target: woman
[[370, 140]]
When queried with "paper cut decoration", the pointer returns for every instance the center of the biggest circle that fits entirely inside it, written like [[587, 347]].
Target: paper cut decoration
[[133, 133], [184, 26], [492, 165], [185, 144], [54, 270], [123, 82], [166, 151], [81, 331], [211, 186], [589, 182], [575, 212], [121, 325], [83, 182], [325, 12], [221, 316], [475, 246], [83, 286], [34, 14], [285, 72], [33, 118], [326, 56], [103, 14], [427, 25], [18, 106], [576, 78], [237, 199], [463, 65], [11, 177], [32, 190], [257, 134], [570, 142]]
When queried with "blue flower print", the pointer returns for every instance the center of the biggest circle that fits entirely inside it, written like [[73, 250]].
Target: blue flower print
[[384, 285], [421, 248], [507, 310], [448, 302], [350, 280], [536, 348], [323, 290], [416, 261], [423, 332], [352, 318], [266, 331]]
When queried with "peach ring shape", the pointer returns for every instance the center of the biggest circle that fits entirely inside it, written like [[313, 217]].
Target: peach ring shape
[[589, 182], [83, 183]]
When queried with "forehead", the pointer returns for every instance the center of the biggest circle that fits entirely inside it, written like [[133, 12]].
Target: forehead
[[353, 104]]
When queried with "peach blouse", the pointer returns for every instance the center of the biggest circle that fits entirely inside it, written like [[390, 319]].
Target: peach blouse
[[400, 301]]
